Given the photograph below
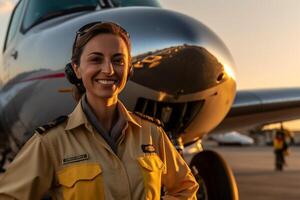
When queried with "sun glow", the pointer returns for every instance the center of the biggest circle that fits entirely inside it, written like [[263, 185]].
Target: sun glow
[[6, 6], [229, 71]]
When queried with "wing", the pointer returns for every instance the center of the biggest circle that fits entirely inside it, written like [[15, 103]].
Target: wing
[[253, 108]]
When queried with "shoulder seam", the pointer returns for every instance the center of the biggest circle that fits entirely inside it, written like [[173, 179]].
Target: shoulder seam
[[42, 129]]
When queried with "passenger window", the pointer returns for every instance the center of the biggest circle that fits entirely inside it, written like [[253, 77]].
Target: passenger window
[[14, 23]]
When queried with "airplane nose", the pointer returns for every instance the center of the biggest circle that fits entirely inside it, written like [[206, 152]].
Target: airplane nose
[[176, 54], [183, 72], [179, 70]]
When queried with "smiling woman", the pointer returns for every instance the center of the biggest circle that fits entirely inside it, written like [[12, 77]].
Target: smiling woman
[[101, 150], [107, 53]]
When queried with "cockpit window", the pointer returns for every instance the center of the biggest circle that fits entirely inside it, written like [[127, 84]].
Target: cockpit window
[[14, 23], [39, 10], [125, 3]]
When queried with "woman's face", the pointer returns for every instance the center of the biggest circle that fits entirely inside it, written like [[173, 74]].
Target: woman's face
[[104, 66]]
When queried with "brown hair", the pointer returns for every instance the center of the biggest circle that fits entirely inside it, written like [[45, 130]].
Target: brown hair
[[84, 36]]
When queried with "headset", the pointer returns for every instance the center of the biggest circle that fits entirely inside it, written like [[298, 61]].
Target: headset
[[72, 78]]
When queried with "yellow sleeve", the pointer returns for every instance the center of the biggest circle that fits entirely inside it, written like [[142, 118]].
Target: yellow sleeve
[[30, 174], [178, 181]]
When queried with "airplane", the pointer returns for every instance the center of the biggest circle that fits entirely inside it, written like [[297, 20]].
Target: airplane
[[233, 138], [184, 76]]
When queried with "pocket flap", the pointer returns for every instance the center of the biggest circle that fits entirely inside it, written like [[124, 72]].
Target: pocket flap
[[151, 162], [71, 174]]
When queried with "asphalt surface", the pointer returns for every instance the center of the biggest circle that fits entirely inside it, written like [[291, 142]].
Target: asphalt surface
[[253, 168]]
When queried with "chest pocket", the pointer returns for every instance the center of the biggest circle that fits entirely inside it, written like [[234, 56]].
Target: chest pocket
[[152, 168], [82, 181]]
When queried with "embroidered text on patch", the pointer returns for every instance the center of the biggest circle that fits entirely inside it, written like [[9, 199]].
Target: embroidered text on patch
[[148, 148], [76, 158]]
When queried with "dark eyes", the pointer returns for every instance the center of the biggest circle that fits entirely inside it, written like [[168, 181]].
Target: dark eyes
[[116, 61], [96, 59]]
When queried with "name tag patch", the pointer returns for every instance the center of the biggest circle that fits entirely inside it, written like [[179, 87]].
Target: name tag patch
[[77, 158], [148, 148]]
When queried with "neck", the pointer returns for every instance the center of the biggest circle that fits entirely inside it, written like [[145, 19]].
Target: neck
[[104, 109]]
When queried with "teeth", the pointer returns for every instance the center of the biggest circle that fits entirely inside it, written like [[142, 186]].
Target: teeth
[[107, 82]]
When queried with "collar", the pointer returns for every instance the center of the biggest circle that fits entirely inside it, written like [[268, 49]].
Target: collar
[[78, 118], [126, 114]]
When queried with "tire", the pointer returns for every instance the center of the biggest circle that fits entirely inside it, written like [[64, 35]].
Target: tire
[[214, 176]]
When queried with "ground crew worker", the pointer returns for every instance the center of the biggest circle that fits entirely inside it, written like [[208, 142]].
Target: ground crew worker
[[101, 150], [280, 149]]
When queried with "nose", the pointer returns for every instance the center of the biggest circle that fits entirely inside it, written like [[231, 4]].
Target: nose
[[108, 68]]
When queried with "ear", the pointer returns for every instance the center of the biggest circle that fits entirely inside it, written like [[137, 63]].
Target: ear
[[76, 70], [130, 72], [130, 69]]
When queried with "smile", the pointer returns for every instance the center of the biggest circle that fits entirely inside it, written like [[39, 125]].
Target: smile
[[106, 82]]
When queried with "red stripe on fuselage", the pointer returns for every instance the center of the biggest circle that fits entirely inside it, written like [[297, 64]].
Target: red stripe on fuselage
[[49, 76]]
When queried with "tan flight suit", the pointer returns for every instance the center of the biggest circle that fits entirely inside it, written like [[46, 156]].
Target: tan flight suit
[[73, 161]]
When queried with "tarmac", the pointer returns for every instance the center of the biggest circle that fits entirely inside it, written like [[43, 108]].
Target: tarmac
[[255, 175]]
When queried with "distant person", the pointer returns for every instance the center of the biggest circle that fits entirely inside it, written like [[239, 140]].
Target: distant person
[[280, 149], [101, 150]]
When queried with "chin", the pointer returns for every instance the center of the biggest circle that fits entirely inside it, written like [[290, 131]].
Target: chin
[[106, 96]]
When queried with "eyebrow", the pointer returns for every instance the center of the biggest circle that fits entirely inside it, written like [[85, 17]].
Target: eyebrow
[[101, 54], [96, 53], [119, 54]]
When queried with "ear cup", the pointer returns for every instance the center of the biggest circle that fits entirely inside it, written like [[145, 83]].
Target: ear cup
[[70, 74], [72, 78]]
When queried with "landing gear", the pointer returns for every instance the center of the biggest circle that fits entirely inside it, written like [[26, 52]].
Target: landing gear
[[214, 177]]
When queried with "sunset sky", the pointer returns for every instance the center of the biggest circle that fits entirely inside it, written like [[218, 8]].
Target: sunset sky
[[262, 35]]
